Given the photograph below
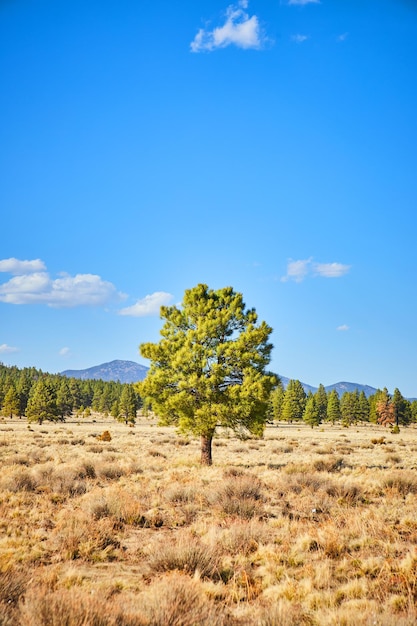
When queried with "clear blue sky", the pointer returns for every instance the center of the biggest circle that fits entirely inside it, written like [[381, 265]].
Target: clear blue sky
[[270, 145]]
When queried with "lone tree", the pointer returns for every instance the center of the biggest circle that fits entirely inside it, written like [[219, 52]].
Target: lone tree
[[209, 368]]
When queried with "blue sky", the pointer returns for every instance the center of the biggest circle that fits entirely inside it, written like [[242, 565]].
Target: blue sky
[[270, 145]]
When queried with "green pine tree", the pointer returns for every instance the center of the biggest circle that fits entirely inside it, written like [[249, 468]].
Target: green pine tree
[[294, 402], [334, 413], [11, 404], [311, 413], [209, 368], [128, 405], [42, 402]]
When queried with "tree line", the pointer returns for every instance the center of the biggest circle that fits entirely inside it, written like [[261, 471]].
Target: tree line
[[294, 404], [39, 396]]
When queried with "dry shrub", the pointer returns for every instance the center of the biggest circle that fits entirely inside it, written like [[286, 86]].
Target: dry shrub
[[240, 497], [18, 480], [110, 471], [13, 584], [105, 436], [75, 537], [331, 464], [244, 537], [121, 505], [346, 492], [64, 480], [176, 600], [65, 608], [402, 482], [180, 493], [185, 554], [284, 613]]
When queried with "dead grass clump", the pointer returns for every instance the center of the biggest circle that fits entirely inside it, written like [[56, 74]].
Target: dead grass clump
[[181, 493], [240, 497], [331, 464], [156, 453], [75, 537], [13, 585], [120, 505], [64, 607], [96, 449], [175, 600], [19, 480], [110, 471], [346, 492], [185, 554], [402, 482]]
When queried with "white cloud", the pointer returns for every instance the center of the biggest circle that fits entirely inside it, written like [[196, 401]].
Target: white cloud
[[37, 287], [302, 2], [64, 351], [331, 270], [5, 349], [300, 38], [149, 305], [16, 267], [343, 327], [299, 270], [239, 29], [342, 37]]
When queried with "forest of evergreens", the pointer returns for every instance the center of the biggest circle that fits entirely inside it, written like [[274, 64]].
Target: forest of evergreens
[[38, 396]]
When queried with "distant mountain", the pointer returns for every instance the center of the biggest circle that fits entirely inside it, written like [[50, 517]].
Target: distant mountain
[[124, 371], [306, 387], [131, 372], [340, 387]]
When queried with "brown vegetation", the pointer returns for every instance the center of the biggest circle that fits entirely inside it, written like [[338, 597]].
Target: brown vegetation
[[302, 527]]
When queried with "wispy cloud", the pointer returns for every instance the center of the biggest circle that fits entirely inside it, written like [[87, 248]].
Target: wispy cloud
[[299, 270], [343, 328], [239, 29], [149, 305], [30, 286], [64, 351], [302, 2], [5, 349], [342, 37], [330, 270], [16, 267], [299, 38]]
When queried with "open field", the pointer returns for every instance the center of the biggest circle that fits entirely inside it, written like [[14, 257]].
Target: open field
[[301, 527]]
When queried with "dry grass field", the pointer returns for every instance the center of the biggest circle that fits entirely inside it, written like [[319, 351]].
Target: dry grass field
[[301, 527]]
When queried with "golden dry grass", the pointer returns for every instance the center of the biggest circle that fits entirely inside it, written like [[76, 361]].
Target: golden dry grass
[[303, 526]]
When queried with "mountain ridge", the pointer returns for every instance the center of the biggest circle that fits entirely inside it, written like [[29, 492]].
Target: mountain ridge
[[131, 372]]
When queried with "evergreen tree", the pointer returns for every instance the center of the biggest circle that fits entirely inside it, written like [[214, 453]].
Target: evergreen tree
[[321, 402], [11, 404], [311, 413], [334, 413], [128, 404], [402, 408], [363, 407], [42, 402], [349, 407], [294, 402], [208, 370], [64, 399]]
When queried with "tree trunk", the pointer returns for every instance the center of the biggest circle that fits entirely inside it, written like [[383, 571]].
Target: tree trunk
[[206, 441]]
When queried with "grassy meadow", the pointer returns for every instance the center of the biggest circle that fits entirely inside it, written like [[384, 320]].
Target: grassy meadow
[[305, 526]]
